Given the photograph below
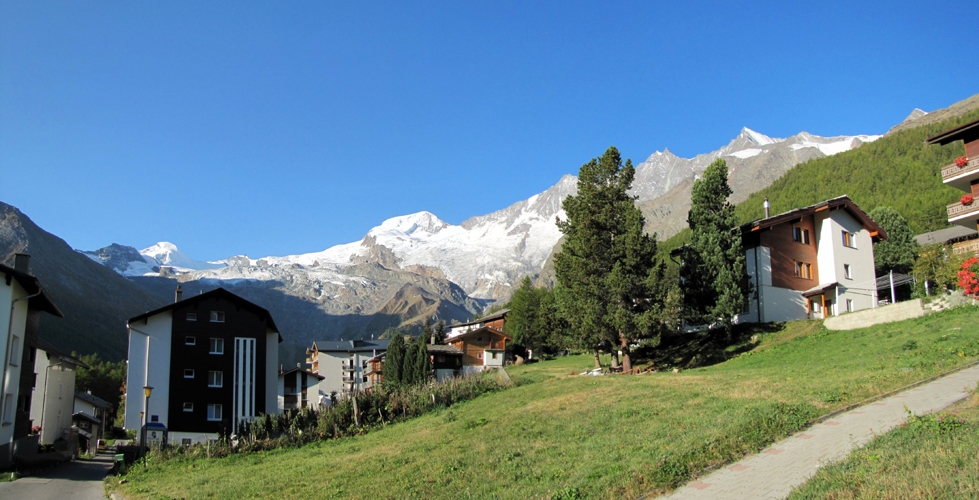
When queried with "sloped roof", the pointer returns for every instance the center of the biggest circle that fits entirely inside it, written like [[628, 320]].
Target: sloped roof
[[43, 301], [48, 347], [260, 311], [95, 400], [947, 235], [967, 132], [841, 202], [497, 315], [287, 372], [85, 416], [443, 349], [350, 345], [485, 329]]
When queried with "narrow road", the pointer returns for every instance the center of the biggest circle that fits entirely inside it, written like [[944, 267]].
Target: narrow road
[[77, 480], [772, 473]]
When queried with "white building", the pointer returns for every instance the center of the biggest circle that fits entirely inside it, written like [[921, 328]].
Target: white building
[[53, 399], [344, 364]]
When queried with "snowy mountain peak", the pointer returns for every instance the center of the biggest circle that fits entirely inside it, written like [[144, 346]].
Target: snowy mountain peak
[[165, 253], [421, 222], [757, 138]]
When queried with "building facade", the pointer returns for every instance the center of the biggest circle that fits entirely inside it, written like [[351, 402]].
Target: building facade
[[298, 388], [344, 364], [53, 394], [212, 361], [964, 176], [22, 301], [482, 348], [811, 262]]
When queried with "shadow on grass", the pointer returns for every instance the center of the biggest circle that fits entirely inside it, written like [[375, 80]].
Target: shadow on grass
[[696, 349]]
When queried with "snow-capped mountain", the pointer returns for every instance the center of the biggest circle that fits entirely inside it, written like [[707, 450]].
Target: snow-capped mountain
[[485, 256]]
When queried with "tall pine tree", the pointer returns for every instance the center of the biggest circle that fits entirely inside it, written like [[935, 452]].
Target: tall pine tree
[[714, 273], [423, 364], [440, 333], [391, 369], [523, 322], [606, 267], [409, 363]]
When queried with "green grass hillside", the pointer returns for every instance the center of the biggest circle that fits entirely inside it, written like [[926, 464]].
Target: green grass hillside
[[897, 171], [561, 435]]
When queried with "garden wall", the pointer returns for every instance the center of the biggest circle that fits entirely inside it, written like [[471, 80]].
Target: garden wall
[[870, 317]]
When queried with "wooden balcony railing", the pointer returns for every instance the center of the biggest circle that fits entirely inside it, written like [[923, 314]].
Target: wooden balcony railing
[[958, 209], [970, 247], [954, 170]]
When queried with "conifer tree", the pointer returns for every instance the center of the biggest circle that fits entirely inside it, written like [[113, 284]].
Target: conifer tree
[[423, 364], [394, 358], [426, 335], [714, 273], [523, 322], [440, 333], [898, 252], [606, 267], [409, 363]]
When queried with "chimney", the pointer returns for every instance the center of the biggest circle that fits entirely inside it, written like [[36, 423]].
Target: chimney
[[179, 295], [766, 207], [22, 263]]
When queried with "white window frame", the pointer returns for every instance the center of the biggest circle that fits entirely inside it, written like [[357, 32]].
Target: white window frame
[[217, 316], [847, 272], [215, 378], [216, 346], [215, 412], [849, 239], [14, 351], [189, 407], [190, 340], [188, 373], [191, 316]]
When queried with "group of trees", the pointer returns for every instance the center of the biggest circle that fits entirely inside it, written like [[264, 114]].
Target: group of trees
[[408, 363]]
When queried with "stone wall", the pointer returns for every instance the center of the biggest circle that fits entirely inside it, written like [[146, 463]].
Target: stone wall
[[869, 317]]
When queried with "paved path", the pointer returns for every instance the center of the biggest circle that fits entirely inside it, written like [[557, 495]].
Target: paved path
[[774, 471], [77, 480]]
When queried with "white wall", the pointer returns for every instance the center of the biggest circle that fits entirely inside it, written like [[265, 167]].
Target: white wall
[[10, 390], [59, 403], [861, 287], [330, 366], [158, 328]]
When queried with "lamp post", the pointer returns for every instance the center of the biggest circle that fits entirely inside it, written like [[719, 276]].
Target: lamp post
[[147, 390]]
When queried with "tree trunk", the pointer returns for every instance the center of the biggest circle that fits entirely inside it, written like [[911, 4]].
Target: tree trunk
[[728, 333], [598, 361], [615, 359], [626, 361]]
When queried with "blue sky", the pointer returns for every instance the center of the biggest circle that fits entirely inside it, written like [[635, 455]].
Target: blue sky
[[287, 127]]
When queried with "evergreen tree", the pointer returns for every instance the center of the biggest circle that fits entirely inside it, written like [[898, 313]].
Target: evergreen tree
[[606, 264], [423, 364], [440, 333], [714, 273], [523, 322], [426, 335], [409, 363], [896, 253], [391, 369]]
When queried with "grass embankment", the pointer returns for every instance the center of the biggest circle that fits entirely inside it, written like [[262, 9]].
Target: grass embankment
[[561, 435], [932, 456]]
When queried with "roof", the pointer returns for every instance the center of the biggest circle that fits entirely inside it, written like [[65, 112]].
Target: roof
[[85, 416], [351, 345], [497, 315], [43, 301], [485, 329], [843, 202], [262, 313], [818, 289], [947, 235], [287, 372], [44, 345], [967, 133], [443, 349], [95, 400]]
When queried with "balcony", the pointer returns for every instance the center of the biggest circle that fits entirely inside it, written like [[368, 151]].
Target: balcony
[[963, 215], [970, 247], [348, 379], [960, 177], [348, 368]]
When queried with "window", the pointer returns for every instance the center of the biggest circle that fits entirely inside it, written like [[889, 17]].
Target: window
[[188, 373], [803, 270], [849, 240], [217, 346], [365, 378], [479, 339], [190, 340], [849, 305], [155, 418], [217, 316], [14, 350], [8, 409], [801, 235], [188, 407], [33, 355], [494, 355], [479, 356], [191, 316], [214, 412], [215, 378], [185, 442], [846, 272]]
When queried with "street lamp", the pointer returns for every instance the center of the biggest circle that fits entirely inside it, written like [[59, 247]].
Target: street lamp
[[146, 416]]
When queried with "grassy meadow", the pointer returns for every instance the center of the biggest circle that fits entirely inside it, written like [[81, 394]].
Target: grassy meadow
[[557, 434]]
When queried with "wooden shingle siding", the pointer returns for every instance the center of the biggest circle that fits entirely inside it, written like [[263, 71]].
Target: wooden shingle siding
[[786, 252]]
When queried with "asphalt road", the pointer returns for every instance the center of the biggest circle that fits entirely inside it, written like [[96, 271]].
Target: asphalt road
[[77, 480]]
